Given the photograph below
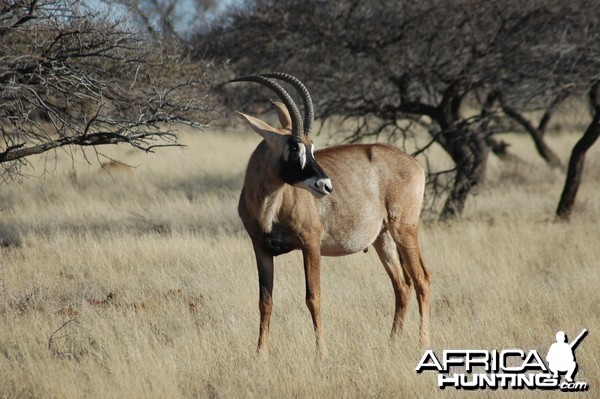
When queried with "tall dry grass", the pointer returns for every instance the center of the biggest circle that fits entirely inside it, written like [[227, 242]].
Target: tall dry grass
[[143, 283]]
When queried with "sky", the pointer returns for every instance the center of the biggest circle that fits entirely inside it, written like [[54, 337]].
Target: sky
[[185, 15]]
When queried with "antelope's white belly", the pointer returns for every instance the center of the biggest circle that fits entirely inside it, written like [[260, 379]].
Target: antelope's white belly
[[350, 234]]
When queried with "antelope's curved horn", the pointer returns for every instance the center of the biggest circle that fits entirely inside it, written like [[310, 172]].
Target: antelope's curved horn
[[297, 125], [309, 110]]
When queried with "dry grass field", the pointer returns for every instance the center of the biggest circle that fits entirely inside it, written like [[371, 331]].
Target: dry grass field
[[141, 283]]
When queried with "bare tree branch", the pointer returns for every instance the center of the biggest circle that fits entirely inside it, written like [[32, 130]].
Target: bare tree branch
[[74, 77]]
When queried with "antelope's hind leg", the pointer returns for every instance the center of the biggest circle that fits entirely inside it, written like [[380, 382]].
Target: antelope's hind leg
[[406, 239], [389, 256]]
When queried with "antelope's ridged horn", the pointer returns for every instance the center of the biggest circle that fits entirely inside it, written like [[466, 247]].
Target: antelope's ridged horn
[[309, 110], [297, 126]]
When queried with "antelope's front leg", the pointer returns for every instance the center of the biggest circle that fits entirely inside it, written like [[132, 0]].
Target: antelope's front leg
[[264, 263], [312, 272]]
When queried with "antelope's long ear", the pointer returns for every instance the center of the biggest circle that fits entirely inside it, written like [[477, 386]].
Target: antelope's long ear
[[275, 140], [283, 114]]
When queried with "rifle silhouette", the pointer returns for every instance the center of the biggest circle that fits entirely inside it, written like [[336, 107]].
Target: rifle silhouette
[[579, 338]]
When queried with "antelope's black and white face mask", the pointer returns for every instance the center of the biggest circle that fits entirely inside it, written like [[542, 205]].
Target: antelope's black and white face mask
[[297, 164], [299, 168]]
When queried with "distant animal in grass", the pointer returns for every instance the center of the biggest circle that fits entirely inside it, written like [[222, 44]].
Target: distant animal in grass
[[114, 166]]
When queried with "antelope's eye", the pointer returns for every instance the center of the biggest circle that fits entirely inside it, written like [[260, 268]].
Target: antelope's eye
[[294, 147]]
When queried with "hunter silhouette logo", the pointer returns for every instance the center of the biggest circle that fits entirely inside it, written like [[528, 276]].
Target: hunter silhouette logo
[[560, 356], [507, 368]]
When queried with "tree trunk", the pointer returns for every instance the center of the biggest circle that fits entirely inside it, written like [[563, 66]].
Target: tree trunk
[[468, 148], [470, 153], [575, 171]]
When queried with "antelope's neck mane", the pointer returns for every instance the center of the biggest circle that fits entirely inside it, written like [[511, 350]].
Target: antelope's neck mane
[[263, 188]]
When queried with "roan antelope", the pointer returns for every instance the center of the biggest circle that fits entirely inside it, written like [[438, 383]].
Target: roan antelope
[[331, 202]]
